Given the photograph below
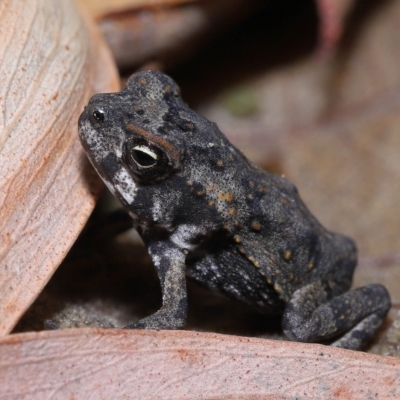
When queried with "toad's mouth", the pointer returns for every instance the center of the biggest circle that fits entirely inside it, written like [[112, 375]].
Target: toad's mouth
[[115, 176], [121, 183]]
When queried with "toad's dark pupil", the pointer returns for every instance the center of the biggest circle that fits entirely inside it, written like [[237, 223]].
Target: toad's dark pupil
[[142, 158], [98, 115]]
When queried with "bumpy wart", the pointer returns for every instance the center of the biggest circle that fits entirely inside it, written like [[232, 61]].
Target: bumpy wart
[[204, 210]]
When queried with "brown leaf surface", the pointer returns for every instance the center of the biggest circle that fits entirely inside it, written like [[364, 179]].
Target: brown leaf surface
[[186, 365], [51, 62]]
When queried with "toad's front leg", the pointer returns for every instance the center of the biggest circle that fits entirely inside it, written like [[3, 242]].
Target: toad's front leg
[[169, 261]]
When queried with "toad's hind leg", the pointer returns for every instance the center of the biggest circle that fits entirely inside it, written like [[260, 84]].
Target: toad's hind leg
[[311, 316]]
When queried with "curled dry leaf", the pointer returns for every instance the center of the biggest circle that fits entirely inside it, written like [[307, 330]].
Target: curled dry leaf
[[186, 365], [99, 8], [138, 33], [168, 34], [52, 60]]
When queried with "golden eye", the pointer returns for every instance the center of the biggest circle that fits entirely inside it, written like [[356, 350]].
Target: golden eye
[[143, 156]]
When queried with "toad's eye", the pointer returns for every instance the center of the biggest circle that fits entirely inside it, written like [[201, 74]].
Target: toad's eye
[[147, 161], [98, 115], [143, 156]]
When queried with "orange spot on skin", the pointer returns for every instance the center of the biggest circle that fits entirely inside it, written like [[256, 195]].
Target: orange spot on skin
[[255, 225], [220, 163], [168, 89], [237, 239], [225, 196], [261, 188], [232, 211], [285, 201], [287, 255], [277, 288], [211, 203], [228, 197], [253, 261], [250, 196], [143, 81], [251, 185]]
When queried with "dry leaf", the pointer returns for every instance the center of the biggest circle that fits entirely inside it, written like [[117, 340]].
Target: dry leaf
[[118, 364], [168, 34], [52, 60], [100, 8], [139, 33]]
